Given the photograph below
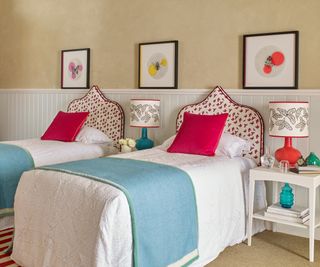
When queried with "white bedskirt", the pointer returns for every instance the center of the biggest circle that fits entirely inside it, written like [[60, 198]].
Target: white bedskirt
[[67, 220]]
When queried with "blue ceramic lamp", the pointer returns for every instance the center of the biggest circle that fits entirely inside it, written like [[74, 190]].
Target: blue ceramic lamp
[[144, 113]]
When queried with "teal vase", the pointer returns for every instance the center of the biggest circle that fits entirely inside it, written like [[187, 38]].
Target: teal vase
[[286, 197], [144, 142]]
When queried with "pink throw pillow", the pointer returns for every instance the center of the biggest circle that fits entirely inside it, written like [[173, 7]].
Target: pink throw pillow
[[65, 126], [199, 134]]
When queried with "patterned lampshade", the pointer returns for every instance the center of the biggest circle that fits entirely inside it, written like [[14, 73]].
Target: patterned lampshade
[[145, 113], [289, 119]]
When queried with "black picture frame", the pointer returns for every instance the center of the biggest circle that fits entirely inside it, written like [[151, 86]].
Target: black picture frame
[[289, 70], [150, 51], [72, 79]]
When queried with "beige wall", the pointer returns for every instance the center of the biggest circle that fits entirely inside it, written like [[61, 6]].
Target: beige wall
[[33, 32]]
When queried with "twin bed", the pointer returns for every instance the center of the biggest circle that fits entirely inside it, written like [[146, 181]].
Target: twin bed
[[71, 218], [105, 115]]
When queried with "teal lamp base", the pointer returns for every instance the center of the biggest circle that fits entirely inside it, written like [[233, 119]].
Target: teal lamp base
[[144, 142], [286, 197]]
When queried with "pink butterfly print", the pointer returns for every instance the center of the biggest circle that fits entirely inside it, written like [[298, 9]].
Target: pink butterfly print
[[75, 69]]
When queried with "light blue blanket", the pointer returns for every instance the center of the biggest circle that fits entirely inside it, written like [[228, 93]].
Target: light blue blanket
[[14, 161], [162, 206]]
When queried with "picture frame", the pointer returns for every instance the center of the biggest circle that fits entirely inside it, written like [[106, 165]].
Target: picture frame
[[75, 68], [270, 60], [158, 65]]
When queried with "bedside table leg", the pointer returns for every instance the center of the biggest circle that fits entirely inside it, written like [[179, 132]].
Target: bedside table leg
[[251, 201], [275, 199], [312, 205]]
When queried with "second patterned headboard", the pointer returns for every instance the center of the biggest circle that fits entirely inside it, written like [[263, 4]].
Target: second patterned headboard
[[243, 121]]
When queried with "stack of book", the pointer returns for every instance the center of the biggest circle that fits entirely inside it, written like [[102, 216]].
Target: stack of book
[[295, 214], [310, 169]]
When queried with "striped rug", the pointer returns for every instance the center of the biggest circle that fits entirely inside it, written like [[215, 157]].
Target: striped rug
[[5, 239]]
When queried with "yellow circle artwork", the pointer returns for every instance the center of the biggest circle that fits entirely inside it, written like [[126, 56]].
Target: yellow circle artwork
[[157, 66]]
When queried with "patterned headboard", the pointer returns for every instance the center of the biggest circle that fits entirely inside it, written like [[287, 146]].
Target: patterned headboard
[[105, 115], [243, 121]]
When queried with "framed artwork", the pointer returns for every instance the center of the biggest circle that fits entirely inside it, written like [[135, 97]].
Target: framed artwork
[[158, 65], [75, 68], [270, 60]]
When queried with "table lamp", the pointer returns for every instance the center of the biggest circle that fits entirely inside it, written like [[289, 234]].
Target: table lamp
[[144, 113], [288, 119]]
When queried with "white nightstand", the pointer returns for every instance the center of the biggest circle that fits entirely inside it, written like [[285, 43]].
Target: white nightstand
[[306, 180]]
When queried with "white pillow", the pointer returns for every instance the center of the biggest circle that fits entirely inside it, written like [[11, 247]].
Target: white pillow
[[232, 146], [89, 135], [165, 145], [229, 145]]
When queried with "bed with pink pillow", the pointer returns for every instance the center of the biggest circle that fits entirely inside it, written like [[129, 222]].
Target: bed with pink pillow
[[89, 129], [94, 228]]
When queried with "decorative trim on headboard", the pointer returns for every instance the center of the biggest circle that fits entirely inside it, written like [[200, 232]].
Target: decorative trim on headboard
[[105, 114], [243, 121]]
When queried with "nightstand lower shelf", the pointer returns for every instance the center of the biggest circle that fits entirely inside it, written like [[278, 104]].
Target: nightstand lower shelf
[[260, 216]]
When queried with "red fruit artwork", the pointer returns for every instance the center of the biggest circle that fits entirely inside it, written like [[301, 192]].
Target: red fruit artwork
[[275, 60]]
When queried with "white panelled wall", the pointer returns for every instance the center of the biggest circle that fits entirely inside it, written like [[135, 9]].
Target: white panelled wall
[[26, 113]]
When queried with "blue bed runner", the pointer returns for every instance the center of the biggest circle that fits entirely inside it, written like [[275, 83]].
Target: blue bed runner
[[162, 206], [14, 161]]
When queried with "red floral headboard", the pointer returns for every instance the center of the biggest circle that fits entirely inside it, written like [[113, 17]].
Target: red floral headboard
[[105, 115], [243, 121]]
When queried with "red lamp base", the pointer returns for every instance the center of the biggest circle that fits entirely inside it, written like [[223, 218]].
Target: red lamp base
[[288, 152]]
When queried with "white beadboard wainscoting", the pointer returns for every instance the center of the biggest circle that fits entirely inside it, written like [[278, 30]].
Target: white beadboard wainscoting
[[26, 113]]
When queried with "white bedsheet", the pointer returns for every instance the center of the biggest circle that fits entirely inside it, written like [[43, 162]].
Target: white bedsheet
[[53, 152], [67, 220]]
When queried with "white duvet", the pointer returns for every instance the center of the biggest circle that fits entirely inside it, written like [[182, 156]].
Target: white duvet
[[67, 220], [53, 152]]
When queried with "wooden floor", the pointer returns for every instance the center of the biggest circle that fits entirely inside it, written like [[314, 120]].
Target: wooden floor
[[269, 250]]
